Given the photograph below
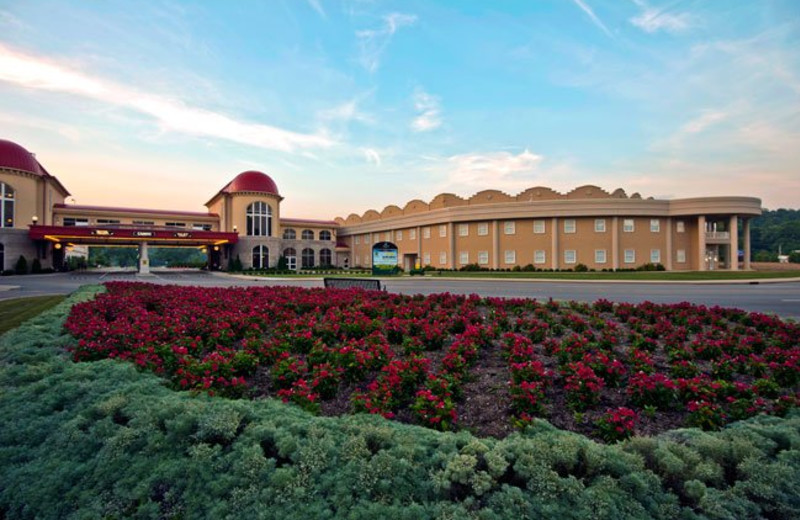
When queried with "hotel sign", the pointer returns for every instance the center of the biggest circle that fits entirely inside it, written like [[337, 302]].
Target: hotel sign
[[384, 258], [143, 233], [102, 232], [183, 234]]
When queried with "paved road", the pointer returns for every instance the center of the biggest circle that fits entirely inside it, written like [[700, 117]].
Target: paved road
[[782, 298]]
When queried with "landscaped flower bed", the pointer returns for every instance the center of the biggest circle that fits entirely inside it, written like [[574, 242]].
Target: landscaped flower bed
[[607, 370]]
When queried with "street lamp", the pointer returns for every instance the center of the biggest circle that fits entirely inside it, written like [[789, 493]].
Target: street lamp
[[35, 219], [235, 229]]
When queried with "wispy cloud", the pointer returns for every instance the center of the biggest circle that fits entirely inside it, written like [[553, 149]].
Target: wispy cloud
[[317, 6], [373, 42], [595, 20], [496, 170], [703, 121], [171, 114], [347, 111], [428, 111], [372, 156], [654, 19]]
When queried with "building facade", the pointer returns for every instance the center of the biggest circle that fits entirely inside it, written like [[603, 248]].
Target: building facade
[[538, 227]]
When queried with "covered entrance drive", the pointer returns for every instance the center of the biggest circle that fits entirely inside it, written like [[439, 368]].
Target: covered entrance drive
[[52, 240]]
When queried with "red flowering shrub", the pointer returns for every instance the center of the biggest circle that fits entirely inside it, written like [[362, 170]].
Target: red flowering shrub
[[616, 425], [422, 358]]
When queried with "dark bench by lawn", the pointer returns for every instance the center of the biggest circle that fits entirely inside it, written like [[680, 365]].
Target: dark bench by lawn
[[349, 283]]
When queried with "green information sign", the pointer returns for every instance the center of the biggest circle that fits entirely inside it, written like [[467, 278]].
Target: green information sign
[[384, 258]]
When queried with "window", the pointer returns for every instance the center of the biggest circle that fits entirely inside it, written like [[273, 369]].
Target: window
[[143, 223], [291, 234], [443, 258], [539, 257], [325, 257], [259, 219], [463, 230], [655, 256], [569, 225], [7, 205], [291, 258], [412, 234], [538, 227], [483, 229], [655, 225], [102, 221], [483, 257], [367, 238], [358, 239], [600, 225], [627, 225], [511, 257], [509, 228], [325, 235], [463, 257], [399, 235], [72, 221], [680, 256], [599, 256], [443, 230], [426, 259], [570, 256], [175, 224], [426, 232], [307, 258], [387, 236], [630, 256], [307, 234], [681, 226], [260, 257], [202, 227]]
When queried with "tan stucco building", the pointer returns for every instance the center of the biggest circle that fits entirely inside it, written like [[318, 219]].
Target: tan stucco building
[[539, 226]]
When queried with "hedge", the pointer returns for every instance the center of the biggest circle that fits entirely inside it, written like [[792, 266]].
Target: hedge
[[103, 440]]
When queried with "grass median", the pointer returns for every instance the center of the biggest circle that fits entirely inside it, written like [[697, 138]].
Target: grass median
[[16, 311]]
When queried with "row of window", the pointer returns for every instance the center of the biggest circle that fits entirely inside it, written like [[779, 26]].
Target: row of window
[[260, 258], [306, 234], [540, 257], [6, 205], [509, 228], [78, 222]]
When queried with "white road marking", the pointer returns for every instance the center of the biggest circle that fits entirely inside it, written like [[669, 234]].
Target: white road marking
[[791, 300]]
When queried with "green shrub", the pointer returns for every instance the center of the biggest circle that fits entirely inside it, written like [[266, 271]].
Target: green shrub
[[103, 440], [21, 267]]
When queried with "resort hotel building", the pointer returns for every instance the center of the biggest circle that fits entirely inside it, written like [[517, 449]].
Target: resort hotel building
[[538, 227]]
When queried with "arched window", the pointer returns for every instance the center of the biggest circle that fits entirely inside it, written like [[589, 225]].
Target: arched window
[[325, 258], [260, 257], [307, 234], [6, 205], [308, 258], [291, 257], [324, 235], [259, 219], [289, 234]]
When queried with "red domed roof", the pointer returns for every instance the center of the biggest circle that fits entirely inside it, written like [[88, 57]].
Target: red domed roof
[[252, 181], [16, 157]]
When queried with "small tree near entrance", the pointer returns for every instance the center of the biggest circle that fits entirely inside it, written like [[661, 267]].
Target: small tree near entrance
[[22, 265]]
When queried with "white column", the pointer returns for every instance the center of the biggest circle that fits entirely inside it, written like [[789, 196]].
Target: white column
[[701, 243], [419, 248], [746, 232], [451, 229], [615, 243], [733, 262], [554, 246], [669, 253], [144, 259], [495, 244]]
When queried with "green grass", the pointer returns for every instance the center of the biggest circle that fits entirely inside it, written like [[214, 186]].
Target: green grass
[[14, 312], [649, 276]]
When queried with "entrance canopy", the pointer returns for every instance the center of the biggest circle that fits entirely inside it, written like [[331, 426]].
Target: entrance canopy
[[131, 235]]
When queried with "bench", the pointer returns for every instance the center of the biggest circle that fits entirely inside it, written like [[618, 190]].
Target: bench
[[349, 283]]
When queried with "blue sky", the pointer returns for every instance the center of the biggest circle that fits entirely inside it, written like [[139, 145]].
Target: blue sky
[[353, 104]]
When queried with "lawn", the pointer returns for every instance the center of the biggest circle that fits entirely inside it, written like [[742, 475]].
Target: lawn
[[14, 312]]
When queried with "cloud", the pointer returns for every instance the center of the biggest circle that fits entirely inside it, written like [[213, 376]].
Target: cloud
[[372, 156], [498, 170], [347, 111], [373, 42], [599, 23], [429, 112], [700, 123], [317, 6], [171, 114], [652, 19]]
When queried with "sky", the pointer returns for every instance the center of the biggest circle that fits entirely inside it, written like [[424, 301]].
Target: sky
[[352, 105]]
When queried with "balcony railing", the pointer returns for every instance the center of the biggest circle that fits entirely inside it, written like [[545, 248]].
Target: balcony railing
[[718, 235]]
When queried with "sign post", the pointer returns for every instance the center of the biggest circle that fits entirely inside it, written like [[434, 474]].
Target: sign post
[[384, 258]]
